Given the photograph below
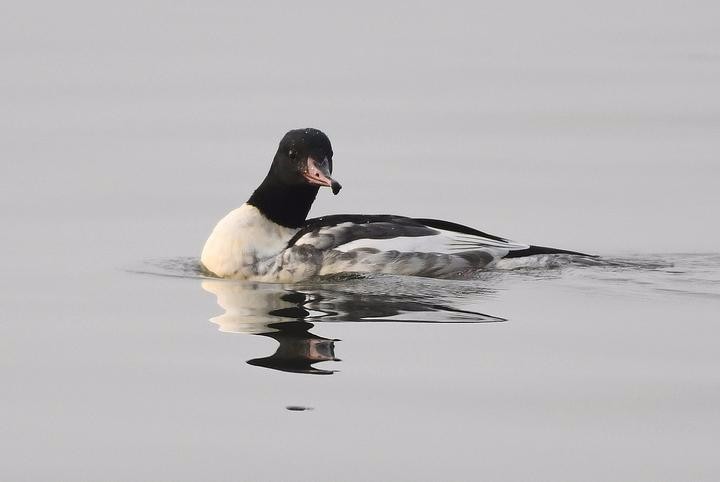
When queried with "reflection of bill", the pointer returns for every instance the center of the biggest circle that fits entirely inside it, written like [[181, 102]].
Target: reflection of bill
[[283, 314]]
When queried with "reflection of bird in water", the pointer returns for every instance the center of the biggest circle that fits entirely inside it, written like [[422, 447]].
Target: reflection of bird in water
[[283, 314]]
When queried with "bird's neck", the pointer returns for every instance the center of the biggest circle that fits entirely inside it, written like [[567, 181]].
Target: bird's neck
[[286, 205]]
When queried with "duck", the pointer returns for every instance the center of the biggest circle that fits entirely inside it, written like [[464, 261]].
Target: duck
[[270, 238]]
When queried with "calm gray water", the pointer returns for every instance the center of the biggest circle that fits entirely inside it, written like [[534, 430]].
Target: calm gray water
[[129, 129]]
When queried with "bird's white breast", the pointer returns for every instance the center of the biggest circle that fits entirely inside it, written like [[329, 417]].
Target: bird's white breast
[[242, 243]]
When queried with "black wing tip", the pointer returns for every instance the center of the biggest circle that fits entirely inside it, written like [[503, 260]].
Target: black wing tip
[[536, 250], [458, 228]]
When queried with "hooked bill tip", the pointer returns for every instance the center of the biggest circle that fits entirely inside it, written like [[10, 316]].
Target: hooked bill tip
[[335, 186]]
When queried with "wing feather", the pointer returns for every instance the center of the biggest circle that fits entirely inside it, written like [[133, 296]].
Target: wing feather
[[399, 233]]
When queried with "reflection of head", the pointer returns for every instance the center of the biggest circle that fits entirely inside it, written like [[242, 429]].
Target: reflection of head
[[299, 349]]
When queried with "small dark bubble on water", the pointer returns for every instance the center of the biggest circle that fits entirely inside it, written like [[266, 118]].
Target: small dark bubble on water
[[298, 408]]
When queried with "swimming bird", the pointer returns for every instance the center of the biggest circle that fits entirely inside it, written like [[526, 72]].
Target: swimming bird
[[270, 239]]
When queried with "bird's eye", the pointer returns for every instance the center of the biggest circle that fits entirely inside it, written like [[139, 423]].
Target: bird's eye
[[292, 154]]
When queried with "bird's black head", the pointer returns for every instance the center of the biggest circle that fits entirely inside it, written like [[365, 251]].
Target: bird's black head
[[305, 157], [302, 164]]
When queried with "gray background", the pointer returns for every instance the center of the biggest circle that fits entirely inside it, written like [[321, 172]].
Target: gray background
[[129, 128]]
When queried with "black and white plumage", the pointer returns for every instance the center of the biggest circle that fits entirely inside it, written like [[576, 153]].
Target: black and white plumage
[[269, 238]]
